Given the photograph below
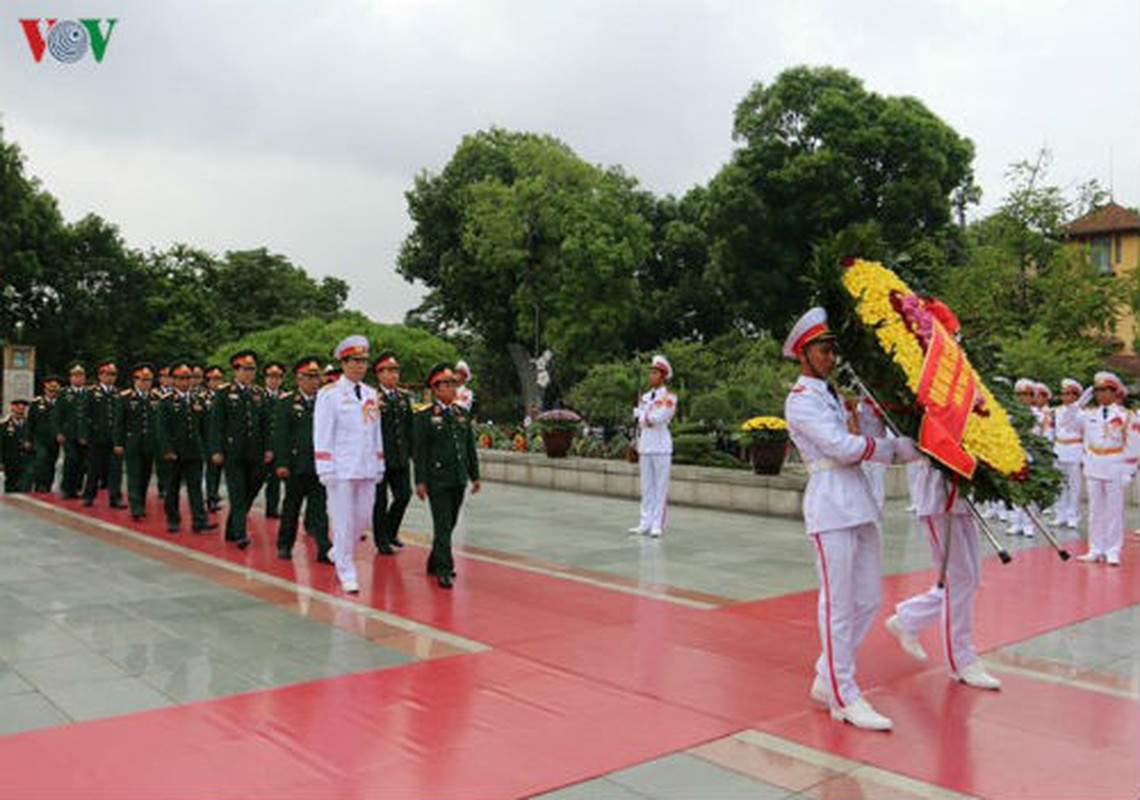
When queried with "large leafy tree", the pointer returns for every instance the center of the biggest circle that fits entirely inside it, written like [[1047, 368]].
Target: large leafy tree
[[818, 153], [528, 247]]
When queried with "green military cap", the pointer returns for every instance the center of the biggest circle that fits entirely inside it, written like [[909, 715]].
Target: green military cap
[[244, 358], [76, 366], [274, 369], [443, 371], [308, 365]]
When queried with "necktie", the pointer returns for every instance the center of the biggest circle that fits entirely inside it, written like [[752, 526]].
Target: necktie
[[1104, 412], [356, 388]]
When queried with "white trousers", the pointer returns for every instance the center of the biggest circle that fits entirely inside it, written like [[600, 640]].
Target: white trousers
[[848, 563], [876, 473], [1106, 517], [954, 603], [1069, 503], [350, 514], [654, 469]]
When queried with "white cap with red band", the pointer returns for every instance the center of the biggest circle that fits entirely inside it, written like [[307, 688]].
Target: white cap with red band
[[811, 326]]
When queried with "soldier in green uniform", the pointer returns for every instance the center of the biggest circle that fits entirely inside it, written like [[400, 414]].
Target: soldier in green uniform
[[138, 409], [161, 465], [40, 435], [396, 428], [181, 434], [70, 405], [99, 427], [274, 373], [15, 457], [237, 441], [294, 464], [215, 376], [445, 461]]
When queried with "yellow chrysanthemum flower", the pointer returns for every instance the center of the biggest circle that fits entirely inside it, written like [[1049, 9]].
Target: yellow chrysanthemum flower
[[991, 438], [764, 424]]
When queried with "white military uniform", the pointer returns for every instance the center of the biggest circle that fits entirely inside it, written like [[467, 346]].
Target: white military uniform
[[954, 603], [1019, 519], [1105, 437], [842, 518], [349, 454], [1068, 446], [653, 414], [871, 424]]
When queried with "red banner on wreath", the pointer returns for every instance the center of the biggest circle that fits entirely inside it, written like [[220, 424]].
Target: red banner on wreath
[[946, 392]]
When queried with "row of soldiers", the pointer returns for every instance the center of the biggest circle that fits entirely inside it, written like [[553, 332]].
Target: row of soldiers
[[193, 428]]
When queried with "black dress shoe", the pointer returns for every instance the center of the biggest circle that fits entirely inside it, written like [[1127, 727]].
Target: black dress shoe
[[70, 496], [445, 581], [283, 553], [89, 501], [243, 543], [323, 558], [172, 528], [208, 526], [118, 504], [137, 516], [397, 543], [385, 549]]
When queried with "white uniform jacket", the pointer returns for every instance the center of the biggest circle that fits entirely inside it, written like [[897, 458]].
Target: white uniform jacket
[[346, 433], [1069, 442], [1104, 437], [930, 492], [653, 414], [838, 493], [1043, 422]]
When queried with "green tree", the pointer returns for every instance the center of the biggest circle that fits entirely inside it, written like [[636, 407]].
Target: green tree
[[817, 154]]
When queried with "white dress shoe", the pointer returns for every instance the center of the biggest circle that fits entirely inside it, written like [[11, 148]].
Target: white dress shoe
[[1028, 533], [974, 674], [1090, 557], [1012, 530], [638, 530], [819, 691], [907, 640], [1072, 524], [352, 587], [1113, 561], [861, 715], [656, 533]]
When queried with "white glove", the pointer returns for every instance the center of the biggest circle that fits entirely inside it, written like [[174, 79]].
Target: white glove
[[906, 451]]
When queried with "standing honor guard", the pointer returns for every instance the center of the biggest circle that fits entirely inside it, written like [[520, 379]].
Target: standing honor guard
[[70, 405], [274, 376], [953, 601], [1069, 448], [17, 460], [181, 433], [464, 396], [294, 464], [840, 515], [99, 427], [214, 377], [396, 426], [349, 453], [445, 461], [653, 414], [1105, 436], [237, 441], [138, 407]]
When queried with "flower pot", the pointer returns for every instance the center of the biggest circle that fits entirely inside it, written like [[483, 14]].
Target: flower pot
[[557, 443], [768, 457]]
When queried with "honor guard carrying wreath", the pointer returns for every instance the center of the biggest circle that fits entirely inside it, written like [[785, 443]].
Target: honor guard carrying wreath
[[841, 517], [653, 414], [349, 453]]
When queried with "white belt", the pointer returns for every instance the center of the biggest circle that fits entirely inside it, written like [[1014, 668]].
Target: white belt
[[820, 464]]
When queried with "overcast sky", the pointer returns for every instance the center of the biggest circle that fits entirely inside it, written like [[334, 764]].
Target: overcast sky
[[299, 124]]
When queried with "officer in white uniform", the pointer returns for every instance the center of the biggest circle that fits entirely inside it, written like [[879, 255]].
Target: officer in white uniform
[[349, 454], [953, 603], [1068, 446], [1106, 441], [841, 517], [653, 414], [1026, 391], [464, 397]]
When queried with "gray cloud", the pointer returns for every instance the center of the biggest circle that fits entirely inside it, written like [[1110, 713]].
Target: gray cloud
[[298, 124]]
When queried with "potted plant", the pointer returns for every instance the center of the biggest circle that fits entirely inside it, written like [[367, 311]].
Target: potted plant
[[766, 440], [557, 427]]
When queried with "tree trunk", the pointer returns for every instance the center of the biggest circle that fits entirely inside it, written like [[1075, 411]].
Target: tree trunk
[[528, 378]]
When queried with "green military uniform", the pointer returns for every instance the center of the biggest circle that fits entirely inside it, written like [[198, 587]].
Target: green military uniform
[[445, 460], [272, 482], [181, 434], [293, 450], [40, 440], [99, 426], [137, 428], [213, 471], [69, 406], [396, 428], [237, 430], [15, 456], [161, 465]]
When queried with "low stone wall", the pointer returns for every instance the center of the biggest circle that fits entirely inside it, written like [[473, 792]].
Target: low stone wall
[[726, 489]]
